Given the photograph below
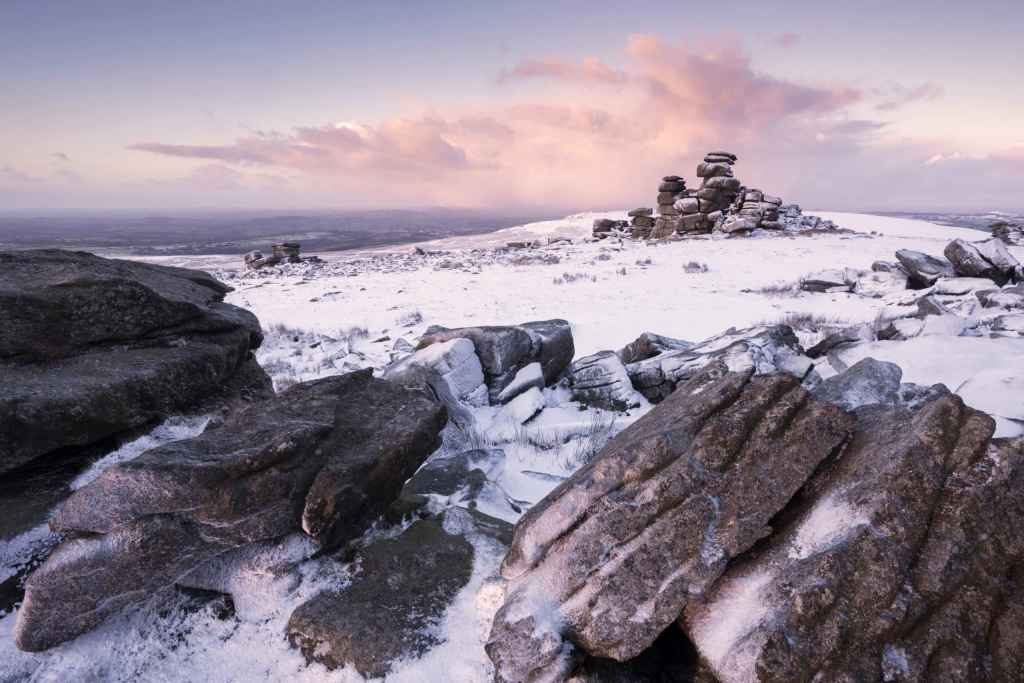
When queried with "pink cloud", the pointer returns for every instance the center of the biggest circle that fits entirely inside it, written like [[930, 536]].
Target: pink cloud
[[895, 96], [787, 40], [602, 141]]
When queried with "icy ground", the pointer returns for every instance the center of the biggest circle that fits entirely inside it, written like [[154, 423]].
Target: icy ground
[[360, 309]]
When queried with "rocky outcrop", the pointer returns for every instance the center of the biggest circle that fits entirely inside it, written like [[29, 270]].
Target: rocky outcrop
[[648, 345], [601, 380], [403, 587], [285, 252], [321, 460], [615, 553], [899, 562], [505, 350], [91, 347], [606, 227], [866, 382], [641, 222], [1009, 298], [922, 269], [766, 349], [1009, 233], [988, 259]]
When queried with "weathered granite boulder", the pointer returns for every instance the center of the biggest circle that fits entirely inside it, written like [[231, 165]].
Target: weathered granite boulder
[[648, 345], [767, 349], [988, 259], [922, 269], [454, 362], [403, 587], [900, 562], [601, 380], [866, 382], [91, 347], [504, 350], [613, 555], [322, 459]]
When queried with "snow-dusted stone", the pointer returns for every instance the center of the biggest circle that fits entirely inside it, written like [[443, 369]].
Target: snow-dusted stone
[[648, 345], [957, 286], [1011, 322], [736, 224], [1008, 233], [867, 382], [840, 338], [456, 363], [988, 259], [323, 459], [923, 269], [896, 563], [901, 328], [950, 325], [887, 267], [528, 376], [877, 284], [504, 349], [403, 585], [610, 558], [831, 281], [1010, 298], [521, 408], [601, 380], [766, 349]]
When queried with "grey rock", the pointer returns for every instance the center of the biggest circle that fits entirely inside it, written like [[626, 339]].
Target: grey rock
[[601, 380], [988, 259], [403, 586], [1008, 233], [611, 557], [713, 170], [1009, 298], [91, 347], [648, 345], [672, 186], [841, 338], [529, 376], [637, 213], [923, 269], [866, 382], [830, 281], [323, 458]]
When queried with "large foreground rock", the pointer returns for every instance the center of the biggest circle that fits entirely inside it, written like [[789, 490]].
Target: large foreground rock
[[322, 460], [91, 347], [504, 350], [391, 608], [611, 557], [901, 562]]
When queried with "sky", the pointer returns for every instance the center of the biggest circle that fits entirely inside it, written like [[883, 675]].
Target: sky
[[523, 106]]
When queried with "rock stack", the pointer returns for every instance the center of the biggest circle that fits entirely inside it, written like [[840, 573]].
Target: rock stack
[[703, 209], [671, 189], [641, 222]]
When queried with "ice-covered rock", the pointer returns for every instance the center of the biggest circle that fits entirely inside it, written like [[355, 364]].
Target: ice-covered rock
[[988, 259], [1010, 298], [454, 361], [529, 376], [831, 281], [924, 270], [867, 382], [403, 586], [601, 380], [764, 348], [521, 408], [504, 349], [612, 556], [323, 458]]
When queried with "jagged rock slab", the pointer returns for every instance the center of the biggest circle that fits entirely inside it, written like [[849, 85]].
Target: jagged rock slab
[[403, 587], [900, 562], [988, 259], [324, 458], [648, 345], [529, 377], [922, 269], [91, 347], [766, 349], [454, 362], [611, 557], [1010, 298]]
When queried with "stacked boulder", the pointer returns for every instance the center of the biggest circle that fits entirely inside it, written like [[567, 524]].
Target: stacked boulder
[[641, 223], [753, 209], [704, 207], [670, 191]]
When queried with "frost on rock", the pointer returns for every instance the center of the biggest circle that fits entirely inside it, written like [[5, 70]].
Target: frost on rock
[[601, 380], [456, 363]]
